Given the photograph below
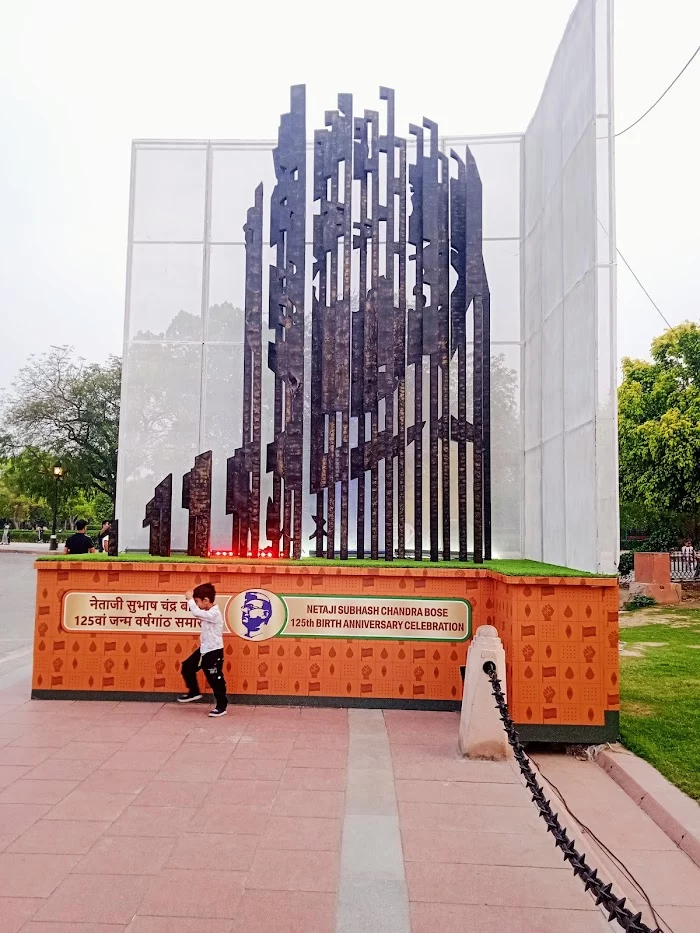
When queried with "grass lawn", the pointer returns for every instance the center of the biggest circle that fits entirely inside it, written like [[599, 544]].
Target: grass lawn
[[511, 568], [660, 693]]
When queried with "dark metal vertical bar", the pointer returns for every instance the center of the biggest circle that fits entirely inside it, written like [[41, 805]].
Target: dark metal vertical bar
[[400, 347], [318, 427], [371, 333], [415, 337], [286, 355], [346, 312], [475, 295], [486, 419], [388, 308], [458, 429], [443, 346], [361, 155]]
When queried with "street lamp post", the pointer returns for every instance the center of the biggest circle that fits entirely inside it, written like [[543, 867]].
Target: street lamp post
[[57, 476]]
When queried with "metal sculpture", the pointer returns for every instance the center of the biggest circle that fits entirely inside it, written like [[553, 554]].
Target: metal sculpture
[[158, 518], [196, 497], [243, 468], [286, 318], [371, 344]]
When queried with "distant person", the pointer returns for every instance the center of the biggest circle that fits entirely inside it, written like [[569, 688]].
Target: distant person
[[688, 556], [80, 542], [6, 533], [103, 538], [39, 533]]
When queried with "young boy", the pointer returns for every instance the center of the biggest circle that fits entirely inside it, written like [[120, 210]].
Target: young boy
[[210, 655]]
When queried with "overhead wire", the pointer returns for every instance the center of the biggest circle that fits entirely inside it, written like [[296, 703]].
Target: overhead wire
[[637, 279], [659, 99]]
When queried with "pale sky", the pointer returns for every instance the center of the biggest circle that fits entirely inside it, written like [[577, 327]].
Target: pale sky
[[79, 80]]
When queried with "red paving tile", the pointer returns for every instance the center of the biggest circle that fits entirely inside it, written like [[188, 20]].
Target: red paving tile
[[285, 912], [184, 925], [318, 758], [125, 855], [104, 733], [45, 738], [274, 870], [455, 770], [153, 742], [202, 751], [111, 901], [26, 791], [452, 918], [16, 911], [14, 755], [320, 803], [218, 736], [90, 805], [140, 759], [60, 769], [59, 836], [259, 793], [320, 740], [152, 821], [230, 818], [202, 851], [191, 770], [261, 751], [297, 832], [10, 773], [87, 751], [172, 794], [53, 927], [473, 818], [15, 818], [24, 875], [462, 792], [253, 770], [481, 848], [495, 885], [314, 779], [120, 782], [200, 894]]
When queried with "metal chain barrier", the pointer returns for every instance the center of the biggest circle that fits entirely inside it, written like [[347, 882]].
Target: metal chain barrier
[[615, 906]]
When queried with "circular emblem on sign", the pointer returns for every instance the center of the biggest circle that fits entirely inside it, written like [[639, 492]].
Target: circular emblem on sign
[[256, 615]]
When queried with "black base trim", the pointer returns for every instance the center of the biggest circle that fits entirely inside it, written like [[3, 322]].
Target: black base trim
[[243, 699], [572, 734]]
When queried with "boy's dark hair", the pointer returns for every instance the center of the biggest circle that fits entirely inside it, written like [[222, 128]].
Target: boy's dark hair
[[106, 521], [204, 591], [80, 524]]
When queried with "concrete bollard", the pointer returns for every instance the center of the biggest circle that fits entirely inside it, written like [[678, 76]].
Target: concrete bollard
[[481, 732]]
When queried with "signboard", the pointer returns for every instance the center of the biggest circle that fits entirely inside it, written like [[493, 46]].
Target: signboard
[[257, 615]]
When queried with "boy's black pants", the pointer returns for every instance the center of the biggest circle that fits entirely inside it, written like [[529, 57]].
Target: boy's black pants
[[212, 663]]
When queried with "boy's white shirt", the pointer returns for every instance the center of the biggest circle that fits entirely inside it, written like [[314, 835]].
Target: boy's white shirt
[[212, 634]]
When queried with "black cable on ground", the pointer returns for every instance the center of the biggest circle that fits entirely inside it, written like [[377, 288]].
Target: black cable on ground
[[631, 923]]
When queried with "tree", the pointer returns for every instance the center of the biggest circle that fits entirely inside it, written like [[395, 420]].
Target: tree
[[65, 408], [659, 425]]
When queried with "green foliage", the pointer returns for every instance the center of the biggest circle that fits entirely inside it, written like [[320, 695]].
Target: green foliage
[[660, 713], [626, 563], [659, 424], [61, 407], [639, 601]]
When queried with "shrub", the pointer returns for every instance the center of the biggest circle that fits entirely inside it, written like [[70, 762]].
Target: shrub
[[639, 601], [626, 563]]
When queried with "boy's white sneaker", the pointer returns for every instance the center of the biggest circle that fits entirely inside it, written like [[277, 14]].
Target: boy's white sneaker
[[217, 712], [189, 698]]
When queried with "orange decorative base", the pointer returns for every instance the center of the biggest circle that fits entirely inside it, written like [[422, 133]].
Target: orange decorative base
[[560, 637]]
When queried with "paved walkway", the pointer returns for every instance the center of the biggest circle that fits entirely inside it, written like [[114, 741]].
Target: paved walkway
[[150, 818]]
